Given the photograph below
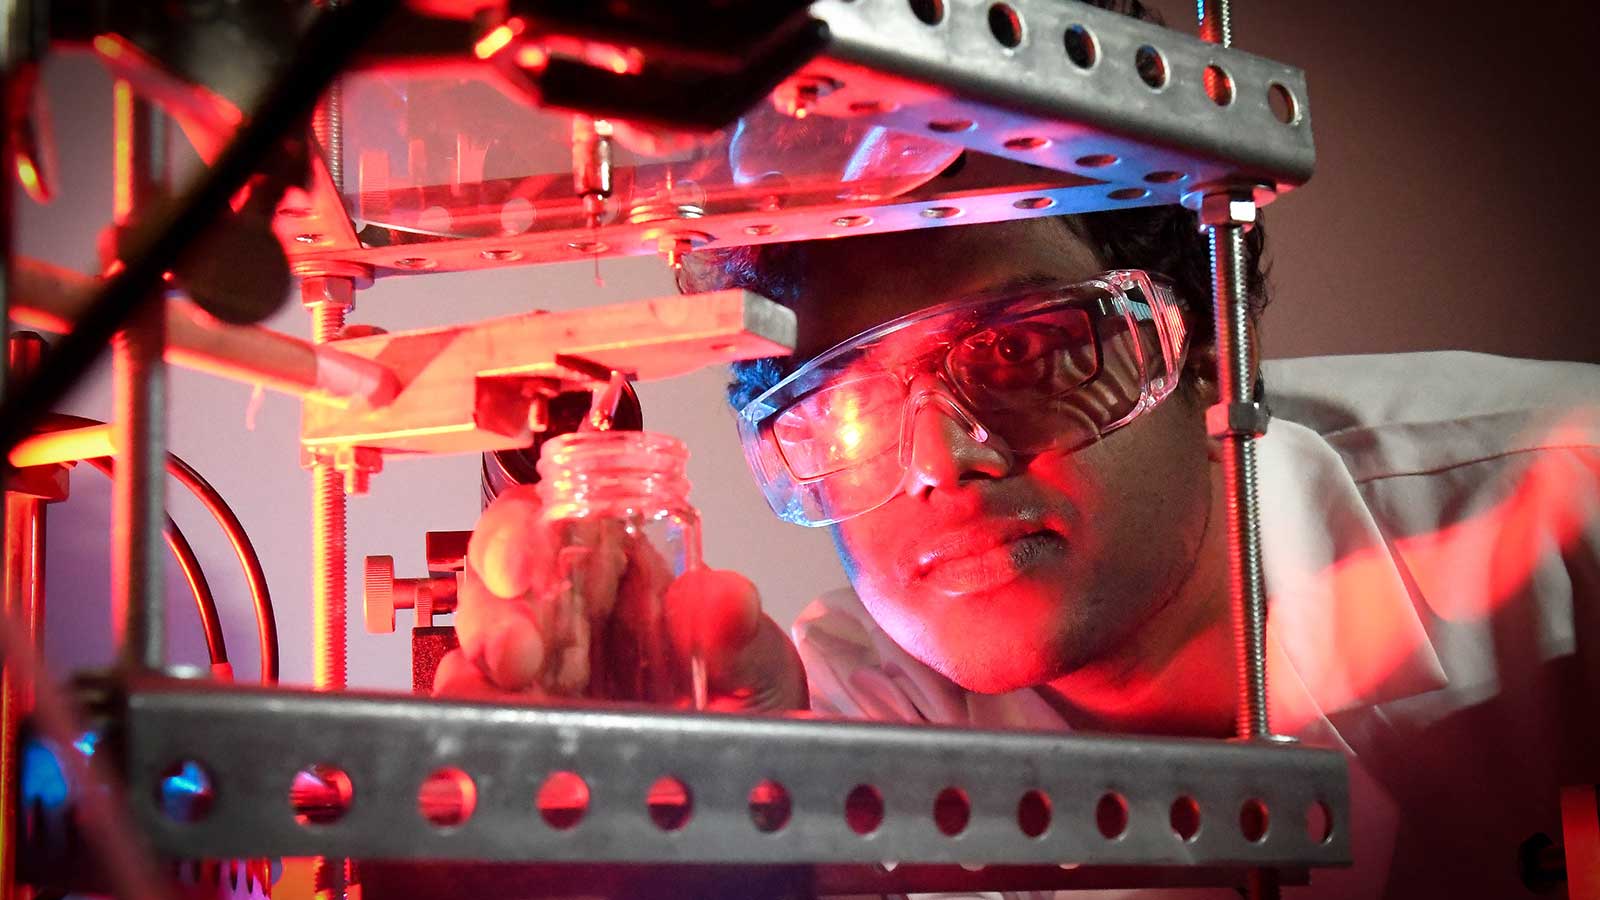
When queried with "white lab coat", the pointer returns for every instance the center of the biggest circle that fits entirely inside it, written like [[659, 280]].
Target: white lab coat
[[1432, 555]]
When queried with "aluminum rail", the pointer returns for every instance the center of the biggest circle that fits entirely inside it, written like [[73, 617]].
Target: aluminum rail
[[1071, 87], [52, 299], [853, 792]]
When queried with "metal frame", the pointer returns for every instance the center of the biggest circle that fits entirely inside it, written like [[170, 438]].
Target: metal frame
[[1016, 96], [1116, 140], [251, 742], [1111, 140]]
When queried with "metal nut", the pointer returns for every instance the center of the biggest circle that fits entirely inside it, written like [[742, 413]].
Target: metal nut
[[328, 290], [1228, 208], [358, 464], [1235, 419]]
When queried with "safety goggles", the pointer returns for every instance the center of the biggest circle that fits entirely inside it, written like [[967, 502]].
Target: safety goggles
[[1050, 369]]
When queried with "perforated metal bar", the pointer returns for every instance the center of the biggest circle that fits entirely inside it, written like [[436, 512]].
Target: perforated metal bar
[[251, 743], [1072, 87]]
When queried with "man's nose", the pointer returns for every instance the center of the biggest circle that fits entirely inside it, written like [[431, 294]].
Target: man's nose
[[945, 451]]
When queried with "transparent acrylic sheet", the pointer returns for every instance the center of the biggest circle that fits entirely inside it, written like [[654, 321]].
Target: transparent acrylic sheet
[[443, 156]]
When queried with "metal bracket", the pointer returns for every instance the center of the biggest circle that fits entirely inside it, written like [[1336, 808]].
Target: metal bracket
[[851, 791], [470, 388]]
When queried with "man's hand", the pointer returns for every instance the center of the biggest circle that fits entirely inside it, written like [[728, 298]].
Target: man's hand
[[514, 642]]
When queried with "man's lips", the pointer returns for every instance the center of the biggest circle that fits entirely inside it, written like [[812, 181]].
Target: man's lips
[[985, 557]]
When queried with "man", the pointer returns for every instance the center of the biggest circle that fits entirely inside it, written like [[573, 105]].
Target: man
[[1432, 533]]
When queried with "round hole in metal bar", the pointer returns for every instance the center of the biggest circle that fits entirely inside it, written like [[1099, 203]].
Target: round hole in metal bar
[[1151, 66], [760, 230], [448, 797], [1027, 143], [941, 212], [320, 794], [1253, 821], [1129, 193], [184, 791], [295, 212], [952, 811], [1097, 160], [931, 12], [1080, 46], [1034, 203], [588, 246], [852, 221], [670, 803], [1319, 822], [770, 807], [1111, 815], [1283, 104], [951, 126], [870, 107], [415, 262], [1164, 177], [562, 800], [1033, 813], [1219, 85], [863, 809], [1185, 818], [307, 238], [500, 255], [1005, 24]]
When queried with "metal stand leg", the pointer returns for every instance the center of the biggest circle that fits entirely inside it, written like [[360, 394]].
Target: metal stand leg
[[328, 299], [139, 398], [1236, 421], [23, 597], [1236, 383]]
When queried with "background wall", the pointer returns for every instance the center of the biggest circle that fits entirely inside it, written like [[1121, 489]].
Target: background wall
[[1448, 211]]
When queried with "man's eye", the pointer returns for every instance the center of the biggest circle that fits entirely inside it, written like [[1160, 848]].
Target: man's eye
[[1011, 346]]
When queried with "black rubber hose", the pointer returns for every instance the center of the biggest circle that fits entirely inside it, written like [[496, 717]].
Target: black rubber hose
[[266, 621], [255, 576], [189, 564]]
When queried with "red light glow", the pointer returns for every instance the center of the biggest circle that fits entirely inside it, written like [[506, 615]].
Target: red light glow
[[497, 39], [108, 46], [122, 127], [531, 57], [28, 174]]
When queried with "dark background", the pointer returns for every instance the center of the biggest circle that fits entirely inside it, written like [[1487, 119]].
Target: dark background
[[1451, 206]]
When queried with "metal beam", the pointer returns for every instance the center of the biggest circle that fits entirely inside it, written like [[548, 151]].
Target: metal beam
[[251, 743]]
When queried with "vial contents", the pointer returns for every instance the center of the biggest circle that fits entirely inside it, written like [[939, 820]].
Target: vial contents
[[616, 506]]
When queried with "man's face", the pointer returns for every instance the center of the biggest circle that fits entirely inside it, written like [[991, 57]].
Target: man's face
[[998, 570]]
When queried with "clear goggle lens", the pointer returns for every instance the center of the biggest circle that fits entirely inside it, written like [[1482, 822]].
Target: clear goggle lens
[[1049, 370]]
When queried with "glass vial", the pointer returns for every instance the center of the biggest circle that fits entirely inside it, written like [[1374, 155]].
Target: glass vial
[[616, 506]]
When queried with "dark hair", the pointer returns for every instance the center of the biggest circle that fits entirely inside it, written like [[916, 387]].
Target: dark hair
[[1159, 239]]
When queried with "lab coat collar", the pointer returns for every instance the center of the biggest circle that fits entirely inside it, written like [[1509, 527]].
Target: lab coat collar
[[1343, 629]]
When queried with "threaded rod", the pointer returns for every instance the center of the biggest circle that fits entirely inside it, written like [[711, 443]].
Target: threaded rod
[[1236, 384], [328, 551]]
